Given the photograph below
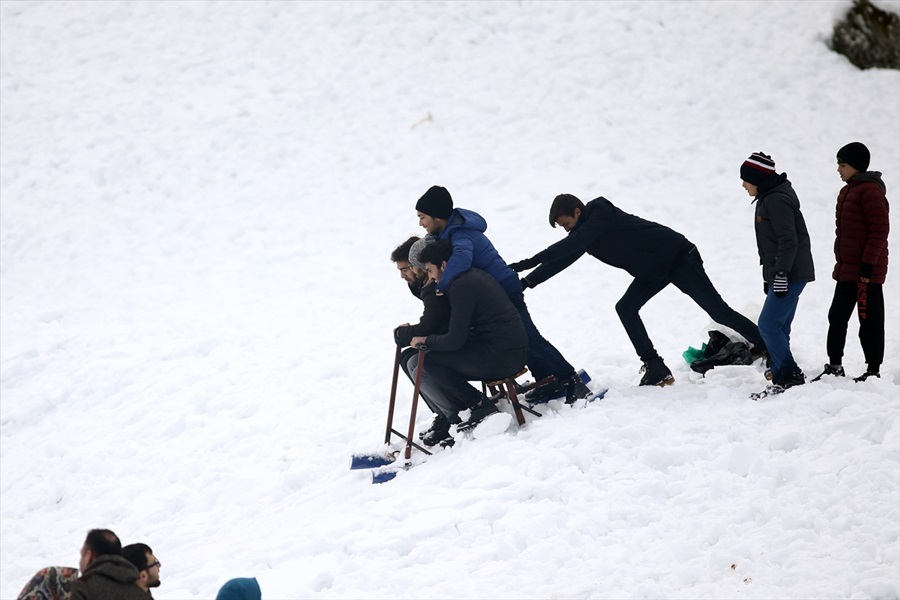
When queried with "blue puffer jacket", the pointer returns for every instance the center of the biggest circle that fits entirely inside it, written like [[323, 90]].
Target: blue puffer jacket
[[471, 248]]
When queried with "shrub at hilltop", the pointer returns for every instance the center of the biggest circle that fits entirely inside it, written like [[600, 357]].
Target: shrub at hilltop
[[868, 36]]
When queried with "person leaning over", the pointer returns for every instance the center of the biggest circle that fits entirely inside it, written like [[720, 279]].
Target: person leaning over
[[861, 261], [782, 242], [653, 254], [485, 340], [105, 574]]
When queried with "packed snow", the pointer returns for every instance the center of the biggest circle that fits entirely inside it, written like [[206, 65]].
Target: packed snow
[[199, 201]]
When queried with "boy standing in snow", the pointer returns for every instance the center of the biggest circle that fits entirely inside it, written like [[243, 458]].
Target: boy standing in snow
[[861, 260], [782, 241], [464, 229], [485, 340], [654, 254]]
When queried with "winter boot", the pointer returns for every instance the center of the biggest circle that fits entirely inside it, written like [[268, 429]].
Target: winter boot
[[866, 375], [479, 413], [656, 373], [790, 379], [439, 432], [545, 393], [440, 423], [835, 370], [575, 389]]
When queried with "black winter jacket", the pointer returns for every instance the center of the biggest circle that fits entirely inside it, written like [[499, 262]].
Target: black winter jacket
[[435, 315], [643, 248], [781, 235], [480, 310]]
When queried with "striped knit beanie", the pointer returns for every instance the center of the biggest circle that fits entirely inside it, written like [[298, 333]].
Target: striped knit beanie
[[757, 168]]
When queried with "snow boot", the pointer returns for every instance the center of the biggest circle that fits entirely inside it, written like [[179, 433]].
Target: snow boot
[[575, 389], [440, 423], [479, 413], [545, 393], [866, 375], [656, 373], [439, 432], [835, 370]]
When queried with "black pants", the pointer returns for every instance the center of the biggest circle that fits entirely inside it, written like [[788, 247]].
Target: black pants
[[543, 357], [868, 300], [687, 275], [445, 379]]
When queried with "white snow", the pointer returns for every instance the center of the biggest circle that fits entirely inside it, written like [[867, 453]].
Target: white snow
[[199, 201]]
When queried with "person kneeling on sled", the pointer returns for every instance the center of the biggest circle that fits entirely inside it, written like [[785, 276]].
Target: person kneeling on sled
[[485, 340]]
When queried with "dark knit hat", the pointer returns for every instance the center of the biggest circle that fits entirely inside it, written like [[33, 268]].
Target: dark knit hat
[[856, 155], [436, 202], [757, 168]]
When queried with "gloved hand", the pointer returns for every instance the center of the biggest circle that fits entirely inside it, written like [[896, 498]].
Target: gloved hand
[[780, 284], [766, 288], [523, 265], [525, 283], [865, 271]]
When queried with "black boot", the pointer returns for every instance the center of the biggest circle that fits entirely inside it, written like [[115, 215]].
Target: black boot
[[835, 370], [439, 432], [575, 389], [479, 413], [656, 373]]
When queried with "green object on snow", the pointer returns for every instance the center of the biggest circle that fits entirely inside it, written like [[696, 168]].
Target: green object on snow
[[692, 354]]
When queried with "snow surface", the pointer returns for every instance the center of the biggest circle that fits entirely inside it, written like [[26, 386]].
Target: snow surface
[[199, 201]]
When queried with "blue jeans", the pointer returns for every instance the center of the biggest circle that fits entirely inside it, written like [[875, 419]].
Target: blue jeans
[[775, 328]]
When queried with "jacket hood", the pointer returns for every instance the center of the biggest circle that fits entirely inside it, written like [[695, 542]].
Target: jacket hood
[[470, 219], [112, 567], [869, 176]]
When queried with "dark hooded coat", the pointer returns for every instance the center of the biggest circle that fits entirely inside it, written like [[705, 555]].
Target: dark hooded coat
[[781, 235], [109, 577]]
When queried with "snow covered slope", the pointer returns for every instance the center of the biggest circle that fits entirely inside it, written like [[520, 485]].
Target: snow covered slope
[[198, 205]]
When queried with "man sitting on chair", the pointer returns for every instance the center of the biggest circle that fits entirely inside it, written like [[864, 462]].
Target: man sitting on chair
[[485, 340]]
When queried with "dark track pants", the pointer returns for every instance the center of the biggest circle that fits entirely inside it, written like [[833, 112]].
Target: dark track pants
[[868, 301], [689, 276]]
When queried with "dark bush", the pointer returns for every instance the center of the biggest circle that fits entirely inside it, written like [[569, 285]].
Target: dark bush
[[868, 36]]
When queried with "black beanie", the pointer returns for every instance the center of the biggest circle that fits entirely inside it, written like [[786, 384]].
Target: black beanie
[[757, 168], [436, 202], [856, 155]]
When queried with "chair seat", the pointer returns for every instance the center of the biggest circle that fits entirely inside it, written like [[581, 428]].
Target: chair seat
[[503, 380]]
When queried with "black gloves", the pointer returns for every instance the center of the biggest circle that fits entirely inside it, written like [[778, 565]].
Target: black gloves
[[780, 284], [865, 270], [766, 288], [525, 283], [523, 265]]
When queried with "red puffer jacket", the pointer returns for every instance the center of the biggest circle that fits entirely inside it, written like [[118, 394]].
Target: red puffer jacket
[[862, 228]]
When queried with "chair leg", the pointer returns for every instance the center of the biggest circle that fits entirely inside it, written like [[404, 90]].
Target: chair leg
[[514, 400]]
